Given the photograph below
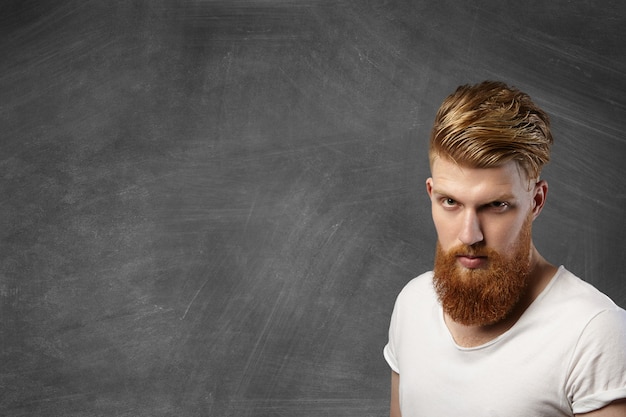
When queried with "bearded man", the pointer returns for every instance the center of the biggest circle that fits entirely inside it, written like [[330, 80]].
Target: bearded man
[[495, 329]]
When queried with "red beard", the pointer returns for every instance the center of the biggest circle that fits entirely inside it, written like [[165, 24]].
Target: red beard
[[483, 296]]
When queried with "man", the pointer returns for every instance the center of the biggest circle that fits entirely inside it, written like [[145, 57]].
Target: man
[[495, 329]]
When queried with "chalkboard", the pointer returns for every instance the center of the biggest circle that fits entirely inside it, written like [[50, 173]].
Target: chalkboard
[[209, 207]]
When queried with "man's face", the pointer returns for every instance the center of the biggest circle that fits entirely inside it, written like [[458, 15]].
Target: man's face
[[483, 219]]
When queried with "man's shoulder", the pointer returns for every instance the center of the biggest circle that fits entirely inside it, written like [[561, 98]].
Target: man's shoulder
[[419, 282], [418, 287], [569, 288], [574, 300]]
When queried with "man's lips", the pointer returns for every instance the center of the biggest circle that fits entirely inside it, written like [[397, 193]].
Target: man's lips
[[471, 261]]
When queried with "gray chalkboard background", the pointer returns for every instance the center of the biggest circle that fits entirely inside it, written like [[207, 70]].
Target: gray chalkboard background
[[208, 207]]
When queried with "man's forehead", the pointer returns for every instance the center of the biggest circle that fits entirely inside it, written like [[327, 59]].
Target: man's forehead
[[505, 179]]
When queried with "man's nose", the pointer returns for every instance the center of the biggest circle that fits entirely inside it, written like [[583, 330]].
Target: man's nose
[[471, 231]]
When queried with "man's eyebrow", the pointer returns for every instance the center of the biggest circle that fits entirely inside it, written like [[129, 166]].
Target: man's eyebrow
[[505, 197], [438, 191], [442, 193], [498, 197]]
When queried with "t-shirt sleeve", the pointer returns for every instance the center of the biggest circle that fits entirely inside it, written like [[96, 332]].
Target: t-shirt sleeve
[[598, 366], [389, 352]]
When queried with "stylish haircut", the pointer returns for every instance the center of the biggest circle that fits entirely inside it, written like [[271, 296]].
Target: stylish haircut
[[489, 124]]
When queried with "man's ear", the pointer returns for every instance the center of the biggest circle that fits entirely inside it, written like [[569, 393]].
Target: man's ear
[[429, 186], [539, 198]]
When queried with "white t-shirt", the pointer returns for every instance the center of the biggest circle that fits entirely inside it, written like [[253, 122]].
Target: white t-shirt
[[565, 355]]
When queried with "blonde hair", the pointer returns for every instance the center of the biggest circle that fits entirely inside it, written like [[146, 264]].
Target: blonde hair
[[488, 124]]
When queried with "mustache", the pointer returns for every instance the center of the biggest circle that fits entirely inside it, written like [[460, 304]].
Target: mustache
[[477, 250]]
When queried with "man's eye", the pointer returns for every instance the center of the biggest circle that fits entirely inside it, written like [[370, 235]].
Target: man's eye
[[499, 205], [449, 202]]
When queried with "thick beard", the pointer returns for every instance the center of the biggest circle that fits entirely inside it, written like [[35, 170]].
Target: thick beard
[[483, 296]]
